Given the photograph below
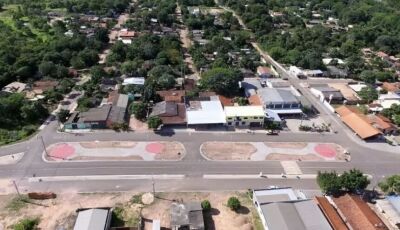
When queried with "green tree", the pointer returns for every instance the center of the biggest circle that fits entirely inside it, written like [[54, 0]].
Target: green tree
[[166, 81], [354, 180], [368, 76], [368, 94], [154, 122], [206, 205], [47, 68], [329, 182], [221, 80], [234, 203], [139, 110], [391, 185], [62, 115]]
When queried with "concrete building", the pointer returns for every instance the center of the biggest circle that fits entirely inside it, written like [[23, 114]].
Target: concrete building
[[325, 92], [187, 216], [93, 219], [286, 209], [252, 116], [205, 111], [170, 112]]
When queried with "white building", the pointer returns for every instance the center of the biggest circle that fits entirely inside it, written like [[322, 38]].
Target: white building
[[205, 112], [244, 115]]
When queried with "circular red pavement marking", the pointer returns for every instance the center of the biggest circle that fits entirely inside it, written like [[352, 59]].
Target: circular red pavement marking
[[61, 151], [155, 147], [325, 150]]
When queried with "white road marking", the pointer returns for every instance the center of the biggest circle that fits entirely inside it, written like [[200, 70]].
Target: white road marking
[[291, 168], [104, 177]]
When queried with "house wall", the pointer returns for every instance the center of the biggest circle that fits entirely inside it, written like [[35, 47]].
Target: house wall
[[244, 121], [256, 204], [283, 105]]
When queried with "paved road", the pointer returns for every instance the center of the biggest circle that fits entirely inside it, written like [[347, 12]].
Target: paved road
[[372, 160]]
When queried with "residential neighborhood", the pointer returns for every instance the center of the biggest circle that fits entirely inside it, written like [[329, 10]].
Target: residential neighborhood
[[199, 114]]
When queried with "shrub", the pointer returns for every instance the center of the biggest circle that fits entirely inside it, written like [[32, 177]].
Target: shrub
[[233, 203], [206, 205], [305, 128], [26, 224]]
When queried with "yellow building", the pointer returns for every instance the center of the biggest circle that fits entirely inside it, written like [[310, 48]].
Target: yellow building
[[244, 115]]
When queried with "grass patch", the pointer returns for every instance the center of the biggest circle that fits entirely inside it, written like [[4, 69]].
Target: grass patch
[[17, 203], [136, 199], [26, 224], [125, 216]]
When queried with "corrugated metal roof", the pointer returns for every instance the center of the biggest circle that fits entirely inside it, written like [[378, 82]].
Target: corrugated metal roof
[[244, 111], [209, 112]]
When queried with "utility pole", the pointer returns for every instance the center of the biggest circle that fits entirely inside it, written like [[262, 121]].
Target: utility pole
[[44, 146], [154, 188], [16, 188]]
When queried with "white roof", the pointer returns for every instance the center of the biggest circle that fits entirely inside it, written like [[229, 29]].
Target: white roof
[[15, 87], [357, 87], [386, 104], [134, 81], [286, 111], [91, 219], [211, 112], [389, 96], [126, 41], [328, 61], [244, 111]]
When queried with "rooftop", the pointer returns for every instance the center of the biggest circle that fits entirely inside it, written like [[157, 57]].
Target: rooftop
[[358, 214], [294, 215], [189, 214], [331, 214], [14, 87], [244, 111], [205, 112], [271, 95], [92, 219], [357, 121], [95, 114]]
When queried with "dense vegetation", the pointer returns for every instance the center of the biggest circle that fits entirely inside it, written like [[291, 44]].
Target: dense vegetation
[[373, 24], [352, 181]]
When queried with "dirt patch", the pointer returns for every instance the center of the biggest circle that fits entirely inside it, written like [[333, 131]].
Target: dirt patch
[[60, 211], [293, 157], [286, 145], [220, 216], [171, 151], [228, 150], [137, 125], [108, 144]]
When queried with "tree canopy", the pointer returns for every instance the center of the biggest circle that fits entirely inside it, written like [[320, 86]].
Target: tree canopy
[[221, 80]]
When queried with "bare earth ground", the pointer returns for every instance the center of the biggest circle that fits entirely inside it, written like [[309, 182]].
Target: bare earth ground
[[172, 151], [288, 145], [290, 157], [137, 125], [108, 144], [61, 211], [228, 150]]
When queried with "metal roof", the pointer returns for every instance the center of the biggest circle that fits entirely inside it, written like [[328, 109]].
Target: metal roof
[[209, 112], [91, 219], [275, 96], [165, 108], [294, 215], [95, 114]]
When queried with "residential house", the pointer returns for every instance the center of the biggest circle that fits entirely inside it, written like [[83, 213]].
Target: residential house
[[331, 214], [94, 118], [93, 219], [358, 122], [392, 87], [264, 72], [387, 100], [325, 92], [170, 112], [390, 208], [296, 71], [14, 87], [134, 81], [349, 95], [108, 84], [382, 123], [204, 111], [286, 209], [335, 72], [358, 214], [187, 216], [245, 116], [118, 110], [313, 73], [126, 36], [172, 95]]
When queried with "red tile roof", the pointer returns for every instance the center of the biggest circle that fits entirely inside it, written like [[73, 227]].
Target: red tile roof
[[255, 100], [225, 101], [358, 214], [331, 214]]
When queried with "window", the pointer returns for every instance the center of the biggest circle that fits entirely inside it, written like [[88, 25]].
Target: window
[[286, 106], [243, 122], [229, 123], [245, 118]]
